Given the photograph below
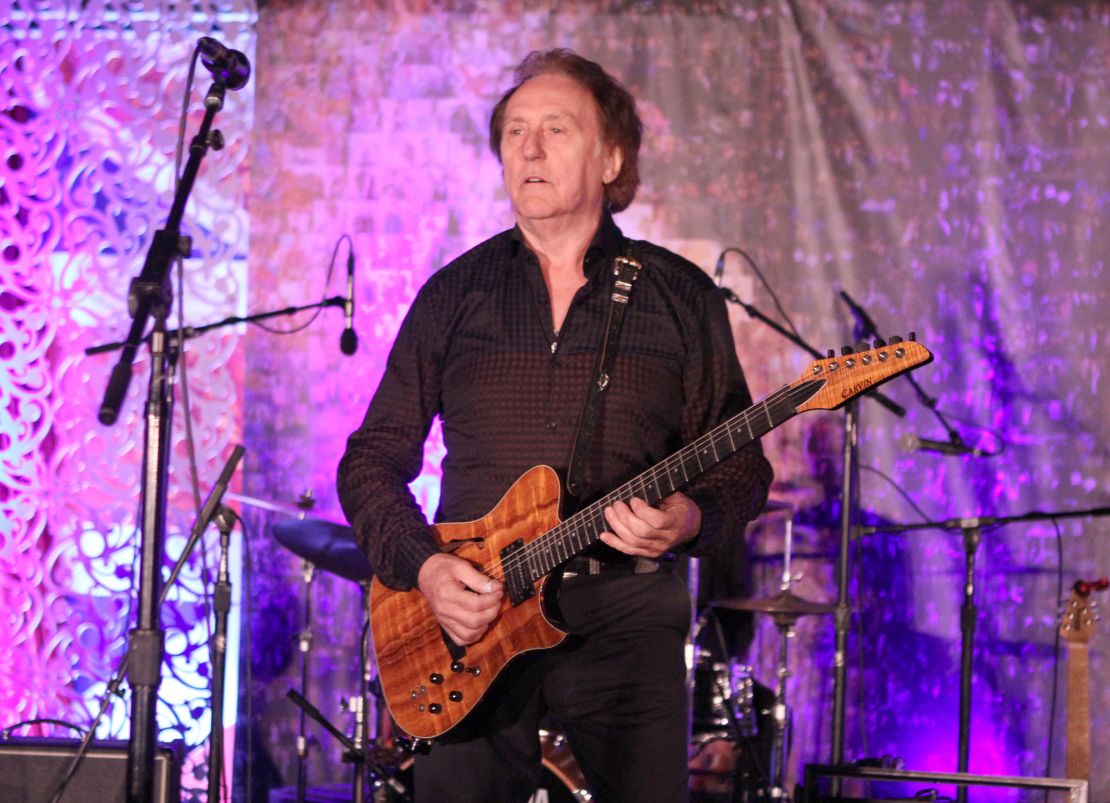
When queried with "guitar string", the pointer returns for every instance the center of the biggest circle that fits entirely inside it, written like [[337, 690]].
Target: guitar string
[[543, 543], [718, 435]]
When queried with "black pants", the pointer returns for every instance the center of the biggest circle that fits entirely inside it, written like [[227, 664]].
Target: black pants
[[616, 688]]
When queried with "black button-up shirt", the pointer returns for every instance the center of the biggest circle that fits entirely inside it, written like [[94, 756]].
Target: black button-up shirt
[[477, 348]]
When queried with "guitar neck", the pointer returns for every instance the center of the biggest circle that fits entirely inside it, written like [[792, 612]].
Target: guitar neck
[[584, 528], [1078, 750]]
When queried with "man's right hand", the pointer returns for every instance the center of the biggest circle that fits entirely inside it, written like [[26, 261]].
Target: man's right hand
[[463, 599]]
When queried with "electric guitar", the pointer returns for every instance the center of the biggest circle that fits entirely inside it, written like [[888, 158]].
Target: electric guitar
[[431, 684], [1076, 628]]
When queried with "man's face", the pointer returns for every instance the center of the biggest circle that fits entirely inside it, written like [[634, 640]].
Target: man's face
[[553, 157]]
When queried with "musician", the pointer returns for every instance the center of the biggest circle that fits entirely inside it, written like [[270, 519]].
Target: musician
[[501, 344]]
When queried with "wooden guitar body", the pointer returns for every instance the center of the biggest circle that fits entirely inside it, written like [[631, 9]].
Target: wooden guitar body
[[415, 665]]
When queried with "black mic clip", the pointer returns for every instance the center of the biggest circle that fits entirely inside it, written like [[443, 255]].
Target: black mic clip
[[230, 68]]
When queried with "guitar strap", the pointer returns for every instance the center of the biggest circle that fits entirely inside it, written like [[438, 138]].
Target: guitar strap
[[625, 272]]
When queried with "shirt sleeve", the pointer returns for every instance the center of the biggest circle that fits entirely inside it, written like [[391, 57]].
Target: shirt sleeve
[[386, 452], [734, 492]]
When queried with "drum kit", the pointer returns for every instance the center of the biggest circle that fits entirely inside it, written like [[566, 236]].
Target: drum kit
[[739, 728]]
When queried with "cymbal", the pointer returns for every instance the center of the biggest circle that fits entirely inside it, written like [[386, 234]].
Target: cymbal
[[294, 511], [782, 603], [328, 545]]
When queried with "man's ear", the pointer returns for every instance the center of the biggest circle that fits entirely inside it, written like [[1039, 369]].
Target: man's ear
[[614, 160]]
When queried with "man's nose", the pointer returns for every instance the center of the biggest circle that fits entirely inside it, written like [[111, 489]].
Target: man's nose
[[532, 147]]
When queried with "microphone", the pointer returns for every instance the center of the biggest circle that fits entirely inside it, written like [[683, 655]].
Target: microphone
[[229, 67], [865, 326], [719, 273], [911, 443], [348, 341]]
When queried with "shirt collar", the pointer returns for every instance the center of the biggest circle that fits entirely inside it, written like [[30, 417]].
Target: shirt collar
[[607, 244]]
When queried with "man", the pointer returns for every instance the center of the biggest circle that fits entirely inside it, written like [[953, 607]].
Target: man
[[502, 344]]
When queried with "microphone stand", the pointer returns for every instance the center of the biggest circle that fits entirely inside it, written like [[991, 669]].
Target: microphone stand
[[972, 529], [192, 331], [150, 295], [849, 515], [224, 519], [212, 505]]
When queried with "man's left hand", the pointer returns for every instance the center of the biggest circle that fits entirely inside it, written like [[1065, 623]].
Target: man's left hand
[[640, 529]]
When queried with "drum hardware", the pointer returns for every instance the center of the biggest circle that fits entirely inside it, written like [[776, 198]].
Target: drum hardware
[[362, 758], [785, 609], [729, 754], [330, 546], [561, 780]]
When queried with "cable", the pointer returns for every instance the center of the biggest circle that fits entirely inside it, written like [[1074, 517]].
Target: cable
[[902, 491], [1055, 651], [766, 285], [7, 732], [861, 697], [327, 283]]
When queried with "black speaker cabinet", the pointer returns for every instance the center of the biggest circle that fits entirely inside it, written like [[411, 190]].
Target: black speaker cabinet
[[31, 769]]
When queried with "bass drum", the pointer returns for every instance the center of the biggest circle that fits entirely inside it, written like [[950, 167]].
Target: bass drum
[[560, 779]]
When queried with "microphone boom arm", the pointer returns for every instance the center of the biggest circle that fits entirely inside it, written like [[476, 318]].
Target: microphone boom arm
[[192, 331], [881, 398]]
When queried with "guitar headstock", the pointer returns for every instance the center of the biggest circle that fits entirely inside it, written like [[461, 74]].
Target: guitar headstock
[[854, 372], [1077, 625]]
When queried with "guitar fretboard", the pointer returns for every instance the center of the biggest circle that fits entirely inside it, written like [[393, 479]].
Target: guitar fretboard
[[570, 537]]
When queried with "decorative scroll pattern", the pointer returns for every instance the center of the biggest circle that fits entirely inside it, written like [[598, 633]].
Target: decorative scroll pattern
[[90, 98]]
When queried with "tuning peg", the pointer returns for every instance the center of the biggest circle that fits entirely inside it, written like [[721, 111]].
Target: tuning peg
[[862, 346], [879, 342], [894, 339], [913, 336], [830, 353], [845, 351]]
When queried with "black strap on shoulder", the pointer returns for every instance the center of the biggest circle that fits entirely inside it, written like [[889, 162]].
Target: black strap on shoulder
[[625, 272]]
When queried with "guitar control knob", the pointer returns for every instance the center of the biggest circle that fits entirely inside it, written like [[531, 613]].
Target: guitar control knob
[[474, 670], [456, 666], [455, 696], [435, 708], [435, 677]]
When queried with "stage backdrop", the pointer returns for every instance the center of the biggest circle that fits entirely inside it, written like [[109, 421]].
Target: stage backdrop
[[946, 163]]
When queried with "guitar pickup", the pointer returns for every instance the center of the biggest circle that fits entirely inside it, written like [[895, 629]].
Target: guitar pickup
[[518, 580]]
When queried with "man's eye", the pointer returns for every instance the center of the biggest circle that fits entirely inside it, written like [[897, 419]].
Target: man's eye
[[556, 130]]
